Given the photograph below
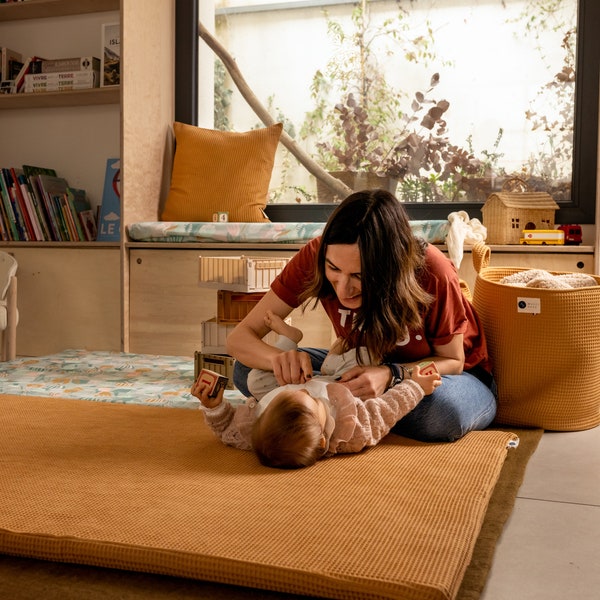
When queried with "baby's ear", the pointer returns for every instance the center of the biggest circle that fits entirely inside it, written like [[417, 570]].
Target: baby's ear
[[323, 442]]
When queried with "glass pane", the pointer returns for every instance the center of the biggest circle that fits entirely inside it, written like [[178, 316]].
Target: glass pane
[[449, 97]]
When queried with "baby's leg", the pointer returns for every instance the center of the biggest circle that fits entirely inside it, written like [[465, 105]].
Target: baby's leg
[[278, 325]]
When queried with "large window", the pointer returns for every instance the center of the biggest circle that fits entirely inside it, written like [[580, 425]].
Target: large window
[[449, 97]]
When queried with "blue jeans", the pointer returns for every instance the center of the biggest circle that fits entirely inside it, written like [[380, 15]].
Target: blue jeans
[[463, 403]]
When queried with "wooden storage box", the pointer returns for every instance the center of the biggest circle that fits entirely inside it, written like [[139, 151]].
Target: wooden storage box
[[214, 336], [232, 307], [220, 363], [240, 273]]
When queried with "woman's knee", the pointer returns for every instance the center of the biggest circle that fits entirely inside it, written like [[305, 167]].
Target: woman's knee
[[461, 404]]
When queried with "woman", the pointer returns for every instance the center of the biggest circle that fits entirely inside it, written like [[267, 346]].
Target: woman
[[392, 293]]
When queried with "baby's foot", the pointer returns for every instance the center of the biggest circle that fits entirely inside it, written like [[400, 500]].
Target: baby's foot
[[278, 325]]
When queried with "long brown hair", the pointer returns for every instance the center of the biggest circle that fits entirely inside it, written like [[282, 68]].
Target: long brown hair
[[391, 258]]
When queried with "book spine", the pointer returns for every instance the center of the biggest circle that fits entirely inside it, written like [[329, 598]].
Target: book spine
[[39, 209], [19, 222], [38, 234], [50, 210], [60, 219], [25, 69], [4, 230], [56, 87], [20, 199], [83, 63], [68, 219], [8, 208], [72, 76], [9, 57], [72, 199]]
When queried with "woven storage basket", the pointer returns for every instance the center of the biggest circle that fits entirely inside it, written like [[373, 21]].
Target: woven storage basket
[[546, 365]]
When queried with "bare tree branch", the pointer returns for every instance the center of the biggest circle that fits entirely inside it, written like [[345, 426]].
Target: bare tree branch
[[335, 185]]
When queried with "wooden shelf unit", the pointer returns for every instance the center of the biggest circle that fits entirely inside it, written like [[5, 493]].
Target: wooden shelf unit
[[69, 292], [88, 97], [42, 9]]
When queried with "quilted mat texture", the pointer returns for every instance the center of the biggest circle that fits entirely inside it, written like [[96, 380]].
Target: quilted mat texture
[[150, 488]]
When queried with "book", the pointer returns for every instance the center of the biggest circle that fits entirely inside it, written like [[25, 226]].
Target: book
[[25, 69], [7, 60], [53, 189], [70, 76], [78, 63], [88, 223], [111, 54], [38, 88], [30, 172], [8, 211], [21, 205], [78, 202], [36, 232], [109, 223], [9, 186]]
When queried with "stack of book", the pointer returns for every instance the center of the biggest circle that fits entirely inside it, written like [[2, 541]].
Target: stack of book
[[62, 74], [36, 74], [37, 205]]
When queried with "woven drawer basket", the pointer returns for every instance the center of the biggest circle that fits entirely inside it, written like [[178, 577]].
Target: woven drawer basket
[[546, 365]]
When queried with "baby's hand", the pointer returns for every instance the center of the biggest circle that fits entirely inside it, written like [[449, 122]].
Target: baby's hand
[[201, 389], [427, 382]]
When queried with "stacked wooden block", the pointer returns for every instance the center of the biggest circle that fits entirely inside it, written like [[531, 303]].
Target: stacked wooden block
[[241, 282]]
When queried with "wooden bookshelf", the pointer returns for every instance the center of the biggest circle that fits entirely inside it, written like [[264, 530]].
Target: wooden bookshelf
[[41, 9], [86, 97]]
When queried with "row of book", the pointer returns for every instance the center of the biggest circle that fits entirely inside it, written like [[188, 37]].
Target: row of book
[[35, 74], [37, 205]]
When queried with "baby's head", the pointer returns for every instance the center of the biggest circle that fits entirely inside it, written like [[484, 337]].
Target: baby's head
[[292, 431]]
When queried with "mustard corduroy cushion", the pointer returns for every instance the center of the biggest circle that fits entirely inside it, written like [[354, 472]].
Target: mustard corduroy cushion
[[221, 171]]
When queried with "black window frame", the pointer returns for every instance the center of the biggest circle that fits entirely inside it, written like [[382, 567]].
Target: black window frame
[[580, 209]]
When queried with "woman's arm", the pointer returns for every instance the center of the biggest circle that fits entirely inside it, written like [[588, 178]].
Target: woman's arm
[[245, 344], [371, 381]]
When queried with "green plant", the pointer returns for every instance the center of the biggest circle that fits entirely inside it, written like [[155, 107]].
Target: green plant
[[372, 127], [356, 110], [222, 99], [556, 117]]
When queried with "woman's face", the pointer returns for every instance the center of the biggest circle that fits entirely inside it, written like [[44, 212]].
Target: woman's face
[[342, 270]]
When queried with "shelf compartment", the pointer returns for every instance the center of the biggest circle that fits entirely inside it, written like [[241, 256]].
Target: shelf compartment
[[87, 97], [42, 9]]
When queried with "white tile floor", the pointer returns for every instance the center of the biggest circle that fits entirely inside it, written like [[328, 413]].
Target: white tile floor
[[550, 546]]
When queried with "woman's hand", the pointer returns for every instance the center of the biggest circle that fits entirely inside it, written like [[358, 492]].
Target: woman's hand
[[200, 389], [366, 382], [291, 367]]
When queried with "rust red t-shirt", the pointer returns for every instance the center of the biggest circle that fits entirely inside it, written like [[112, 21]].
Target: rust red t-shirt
[[449, 314]]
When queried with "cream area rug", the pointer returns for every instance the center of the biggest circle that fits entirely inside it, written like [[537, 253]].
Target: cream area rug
[[150, 489]]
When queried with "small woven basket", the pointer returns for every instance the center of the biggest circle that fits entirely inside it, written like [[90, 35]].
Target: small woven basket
[[546, 363]]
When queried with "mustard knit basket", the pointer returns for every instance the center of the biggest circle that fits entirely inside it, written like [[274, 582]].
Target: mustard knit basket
[[545, 348]]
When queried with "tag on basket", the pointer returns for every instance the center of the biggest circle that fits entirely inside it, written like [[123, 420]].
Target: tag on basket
[[532, 306]]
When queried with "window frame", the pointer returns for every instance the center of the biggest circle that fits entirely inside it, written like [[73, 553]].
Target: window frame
[[580, 209]]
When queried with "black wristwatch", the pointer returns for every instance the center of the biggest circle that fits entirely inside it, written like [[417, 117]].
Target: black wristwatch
[[397, 373]]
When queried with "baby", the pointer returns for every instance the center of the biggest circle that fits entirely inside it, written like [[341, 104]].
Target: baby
[[294, 425]]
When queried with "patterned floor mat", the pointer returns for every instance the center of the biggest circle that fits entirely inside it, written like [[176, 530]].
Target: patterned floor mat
[[121, 377]]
